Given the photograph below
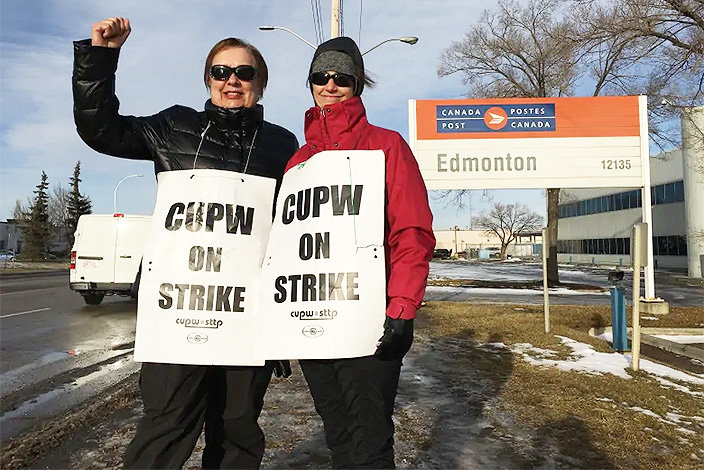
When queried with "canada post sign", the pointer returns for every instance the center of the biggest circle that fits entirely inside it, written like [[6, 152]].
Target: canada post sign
[[488, 118], [525, 143]]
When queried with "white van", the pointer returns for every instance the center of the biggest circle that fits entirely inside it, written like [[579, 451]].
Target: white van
[[106, 255]]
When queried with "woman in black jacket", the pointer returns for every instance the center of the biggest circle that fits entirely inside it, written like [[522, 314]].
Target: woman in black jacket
[[230, 134]]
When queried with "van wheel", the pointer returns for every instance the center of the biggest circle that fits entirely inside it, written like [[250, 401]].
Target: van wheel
[[93, 299]]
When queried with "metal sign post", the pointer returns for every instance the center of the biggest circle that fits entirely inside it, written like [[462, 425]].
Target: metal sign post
[[546, 296], [647, 207], [639, 257]]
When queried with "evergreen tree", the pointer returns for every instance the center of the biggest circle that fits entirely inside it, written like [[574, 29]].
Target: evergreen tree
[[37, 231], [78, 204]]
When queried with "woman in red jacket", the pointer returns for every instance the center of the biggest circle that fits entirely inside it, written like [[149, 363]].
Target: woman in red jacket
[[355, 396]]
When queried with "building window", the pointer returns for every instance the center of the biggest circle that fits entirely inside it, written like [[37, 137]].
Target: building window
[[679, 191], [671, 245], [672, 248], [634, 199], [682, 245], [661, 194]]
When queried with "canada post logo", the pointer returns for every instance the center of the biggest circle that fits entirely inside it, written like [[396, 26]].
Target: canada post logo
[[496, 118]]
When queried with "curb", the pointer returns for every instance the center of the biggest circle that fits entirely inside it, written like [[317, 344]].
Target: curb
[[51, 272], [646, 337], [671, 346]]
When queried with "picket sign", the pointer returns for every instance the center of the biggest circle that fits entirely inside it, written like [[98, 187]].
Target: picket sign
[[323, 287], [200, 270]]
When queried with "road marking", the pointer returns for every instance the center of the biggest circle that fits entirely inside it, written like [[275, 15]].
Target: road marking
[[27, 291], [23, 313]]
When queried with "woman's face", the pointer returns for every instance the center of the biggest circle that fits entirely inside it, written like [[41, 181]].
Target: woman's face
[[233, 92], [331, 93]]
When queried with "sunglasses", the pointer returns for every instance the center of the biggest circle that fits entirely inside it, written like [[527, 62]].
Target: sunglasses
[[341, 79], [246, 73]]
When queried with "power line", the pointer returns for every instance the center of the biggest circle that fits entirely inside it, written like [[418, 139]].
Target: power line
[[359, 37], [342, 22], [321, 32], [317, 26]]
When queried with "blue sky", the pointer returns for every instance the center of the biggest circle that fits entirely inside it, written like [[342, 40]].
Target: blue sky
[[161, 65]]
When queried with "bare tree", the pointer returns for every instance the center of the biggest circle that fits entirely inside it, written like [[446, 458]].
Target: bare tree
[[669, 32], [507, 221], [59, 213], [21, 210], [662, 54], [665, 40], [520, 51], [652, 47], [516, 52], [693, 137]]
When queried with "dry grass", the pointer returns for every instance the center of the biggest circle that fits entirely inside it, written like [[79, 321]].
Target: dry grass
[[27, 266], [588, 421]]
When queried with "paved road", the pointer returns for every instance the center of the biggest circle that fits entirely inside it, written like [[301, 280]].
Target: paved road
[[56, 351]]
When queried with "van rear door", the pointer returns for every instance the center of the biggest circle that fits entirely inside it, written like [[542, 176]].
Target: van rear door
[[95, 248], [131, 236]]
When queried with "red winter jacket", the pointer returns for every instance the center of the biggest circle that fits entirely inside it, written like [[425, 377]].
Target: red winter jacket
[[408, 237]]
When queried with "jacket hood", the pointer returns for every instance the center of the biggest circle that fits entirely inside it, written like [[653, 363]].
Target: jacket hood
[[347, 46]]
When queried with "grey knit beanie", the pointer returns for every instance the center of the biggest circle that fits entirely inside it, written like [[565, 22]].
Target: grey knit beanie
[[334, 60], [341, 55]]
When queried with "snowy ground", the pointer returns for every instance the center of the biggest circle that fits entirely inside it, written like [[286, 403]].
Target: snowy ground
[[677, 293], [447, 412], [511, 270], [446, 416]]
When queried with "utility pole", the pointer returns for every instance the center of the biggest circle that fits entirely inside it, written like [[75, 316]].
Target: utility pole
[[335, 19]]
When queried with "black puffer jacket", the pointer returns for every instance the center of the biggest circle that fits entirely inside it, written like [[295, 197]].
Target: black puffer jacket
[[171, 138]]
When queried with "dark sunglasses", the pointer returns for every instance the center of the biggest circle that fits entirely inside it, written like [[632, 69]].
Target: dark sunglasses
[[341, 79], [246, 73]]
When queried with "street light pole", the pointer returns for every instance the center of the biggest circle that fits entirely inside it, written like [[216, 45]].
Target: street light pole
[[406, 39], [272, 28], [335, 30], [114, 193]]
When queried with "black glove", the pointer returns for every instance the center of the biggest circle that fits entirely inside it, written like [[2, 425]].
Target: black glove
[[282, 369], [397, 338]]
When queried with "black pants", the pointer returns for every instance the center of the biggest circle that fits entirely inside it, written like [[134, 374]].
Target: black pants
[[355, 398], [179, 399]]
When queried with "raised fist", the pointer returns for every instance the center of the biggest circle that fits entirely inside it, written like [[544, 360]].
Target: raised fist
[[110, 32]]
